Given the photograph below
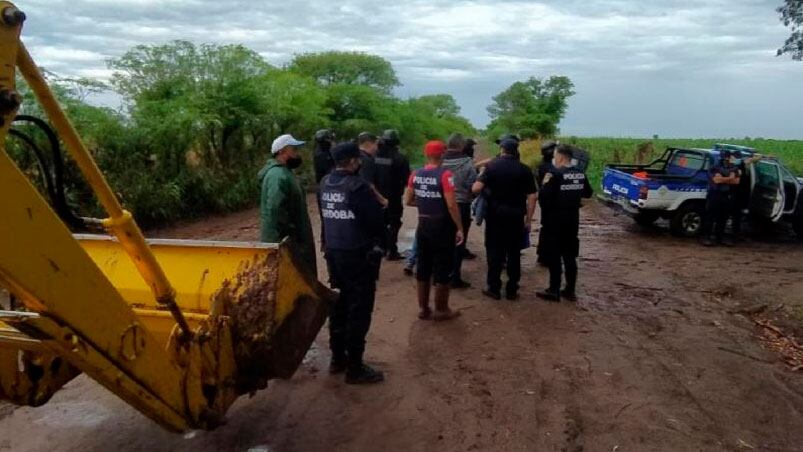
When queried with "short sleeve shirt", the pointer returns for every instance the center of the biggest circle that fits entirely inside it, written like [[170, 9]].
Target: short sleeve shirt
[[509, 182]]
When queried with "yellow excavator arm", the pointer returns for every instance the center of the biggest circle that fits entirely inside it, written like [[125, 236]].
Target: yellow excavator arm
[[235, 315]]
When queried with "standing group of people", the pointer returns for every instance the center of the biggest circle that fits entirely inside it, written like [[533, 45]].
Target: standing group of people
[[727, 198], [362, 184]]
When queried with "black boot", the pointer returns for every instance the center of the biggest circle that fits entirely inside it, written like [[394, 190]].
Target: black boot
[[394, 255], [364, 375], [549, 294], [568, 294], [338, 365]]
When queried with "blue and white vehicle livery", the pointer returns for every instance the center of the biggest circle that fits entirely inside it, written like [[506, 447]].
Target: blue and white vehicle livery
[[675, 186]]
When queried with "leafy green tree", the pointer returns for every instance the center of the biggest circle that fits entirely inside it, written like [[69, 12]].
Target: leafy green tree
[[444, 105], [792, 16], [347, 68], [191, 96], [288, 103], [531, 108]]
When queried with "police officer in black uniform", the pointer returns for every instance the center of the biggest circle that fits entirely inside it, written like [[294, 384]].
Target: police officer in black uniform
[[323, 162], [354, 229], [561, 198], [544, 168], [392, 173], [723, 180], [510, 193]]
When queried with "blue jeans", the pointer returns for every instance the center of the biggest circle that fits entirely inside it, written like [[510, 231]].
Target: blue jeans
[[413, 257]]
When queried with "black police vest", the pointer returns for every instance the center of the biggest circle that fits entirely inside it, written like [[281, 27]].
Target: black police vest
[[383, 166], [342, 230], [428, 186], [570, 192], [720, 189]]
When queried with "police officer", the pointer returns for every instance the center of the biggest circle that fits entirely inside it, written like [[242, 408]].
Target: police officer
[[723, 179], [322, 158], [510, 194], [369, 146], [560, 199], [354, 229], [392, 172], [544, 168], [741, 196], [440, 229]]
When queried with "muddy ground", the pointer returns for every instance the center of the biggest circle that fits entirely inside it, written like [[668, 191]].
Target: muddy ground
[[662, 352]]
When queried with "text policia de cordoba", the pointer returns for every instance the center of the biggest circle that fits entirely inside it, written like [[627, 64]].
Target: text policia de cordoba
[[330, 209], [423, 190], [576, 181]]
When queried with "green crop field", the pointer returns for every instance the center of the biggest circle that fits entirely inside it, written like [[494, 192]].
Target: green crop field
[[625, 150]]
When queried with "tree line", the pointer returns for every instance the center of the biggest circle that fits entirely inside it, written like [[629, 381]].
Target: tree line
[[198, 120]]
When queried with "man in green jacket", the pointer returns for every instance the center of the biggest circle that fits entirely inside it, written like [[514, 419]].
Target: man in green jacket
[[283, 206]]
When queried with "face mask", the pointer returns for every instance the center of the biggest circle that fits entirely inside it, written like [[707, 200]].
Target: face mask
[[294, 162]]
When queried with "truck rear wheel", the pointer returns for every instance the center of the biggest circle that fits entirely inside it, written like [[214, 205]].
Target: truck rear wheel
[[688, 220]]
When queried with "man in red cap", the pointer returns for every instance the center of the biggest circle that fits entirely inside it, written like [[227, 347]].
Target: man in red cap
[[440, 229]]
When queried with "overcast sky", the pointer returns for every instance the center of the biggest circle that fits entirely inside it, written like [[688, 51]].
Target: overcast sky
[[676, 68]]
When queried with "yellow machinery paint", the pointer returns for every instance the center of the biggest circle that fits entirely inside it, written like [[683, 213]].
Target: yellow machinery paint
[[160, 323]]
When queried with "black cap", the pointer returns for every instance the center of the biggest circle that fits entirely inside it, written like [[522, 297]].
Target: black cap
[[508, 136], [510, 145], [345, 151], [725, 153]]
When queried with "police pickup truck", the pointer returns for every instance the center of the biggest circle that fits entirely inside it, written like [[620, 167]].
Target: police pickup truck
[[674, 187]]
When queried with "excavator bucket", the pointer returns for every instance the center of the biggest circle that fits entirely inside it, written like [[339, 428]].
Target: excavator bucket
[[276, 307]]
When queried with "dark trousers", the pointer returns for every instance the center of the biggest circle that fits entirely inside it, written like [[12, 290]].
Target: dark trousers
[[739, 204], [393, 223], [460, 251], [718, 210], [503, 239], [350, 315], [556, 264]]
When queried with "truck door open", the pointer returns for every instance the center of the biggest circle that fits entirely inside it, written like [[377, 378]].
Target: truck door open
[[767, 196], [791, 191]]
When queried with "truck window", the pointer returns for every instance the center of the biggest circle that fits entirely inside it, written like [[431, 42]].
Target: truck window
[[767, 175], [685, 163]]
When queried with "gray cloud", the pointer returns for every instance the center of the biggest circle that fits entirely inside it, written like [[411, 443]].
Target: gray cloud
[[678, 68]]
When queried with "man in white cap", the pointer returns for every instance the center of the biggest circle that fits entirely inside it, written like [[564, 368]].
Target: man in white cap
[[283, 206]]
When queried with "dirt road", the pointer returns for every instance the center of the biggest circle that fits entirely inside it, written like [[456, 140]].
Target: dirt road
[[655, 356]]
